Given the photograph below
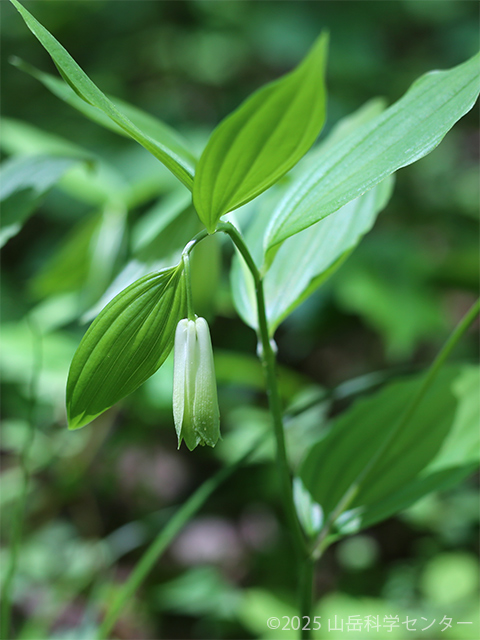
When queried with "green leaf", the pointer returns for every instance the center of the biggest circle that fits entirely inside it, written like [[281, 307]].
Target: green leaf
[[23, 183], [457, 458], [22, 138], [125, 345], [404, 133], [414, 462], [463, 442], [85, 261], [95, 182], [84, 95], [307, 259], [67, 268], [136, 178], [263, 139]]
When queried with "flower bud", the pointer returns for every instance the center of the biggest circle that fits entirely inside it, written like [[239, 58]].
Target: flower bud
[[195, 404]]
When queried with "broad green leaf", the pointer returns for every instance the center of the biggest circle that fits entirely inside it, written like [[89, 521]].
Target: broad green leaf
[[405, 497], [23, 183], [404, 133], [156, 137], [307, 259], [149, 125], [263, 139], [410, 466], [458, 457], [125, 345]]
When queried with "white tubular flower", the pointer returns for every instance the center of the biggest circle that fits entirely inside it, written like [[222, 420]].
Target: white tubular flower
[[195, 404]]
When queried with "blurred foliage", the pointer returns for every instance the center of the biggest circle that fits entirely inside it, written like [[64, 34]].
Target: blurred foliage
[[98, 496]]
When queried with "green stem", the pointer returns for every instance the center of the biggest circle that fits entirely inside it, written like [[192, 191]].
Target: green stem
[[306, 591], [432, 373], [269, 364], [186, 265], [164, 539], [19, 515], [188, 286]]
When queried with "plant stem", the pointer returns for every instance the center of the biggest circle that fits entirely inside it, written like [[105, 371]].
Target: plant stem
[[19, 515], [164, 539], [188, 286], [432, 373], [306, 591], [267, 356], [269, 364], [186, 265]]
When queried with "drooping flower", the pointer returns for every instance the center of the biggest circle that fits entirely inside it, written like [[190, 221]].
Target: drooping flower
[[195, 404]]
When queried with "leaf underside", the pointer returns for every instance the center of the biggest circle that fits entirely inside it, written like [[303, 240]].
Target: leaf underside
[[404, 133]]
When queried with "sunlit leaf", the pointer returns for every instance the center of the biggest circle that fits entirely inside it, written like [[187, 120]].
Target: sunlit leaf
[[307, 259], [263, 139], [404, 133], [125, 345], [156, 137]]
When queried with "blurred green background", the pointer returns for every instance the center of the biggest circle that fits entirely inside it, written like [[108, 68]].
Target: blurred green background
[[98, 496]]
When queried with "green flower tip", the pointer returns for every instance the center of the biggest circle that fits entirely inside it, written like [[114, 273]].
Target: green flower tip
[[195, 404]]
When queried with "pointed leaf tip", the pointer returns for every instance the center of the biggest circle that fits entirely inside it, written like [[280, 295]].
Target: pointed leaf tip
[[264, 138]]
